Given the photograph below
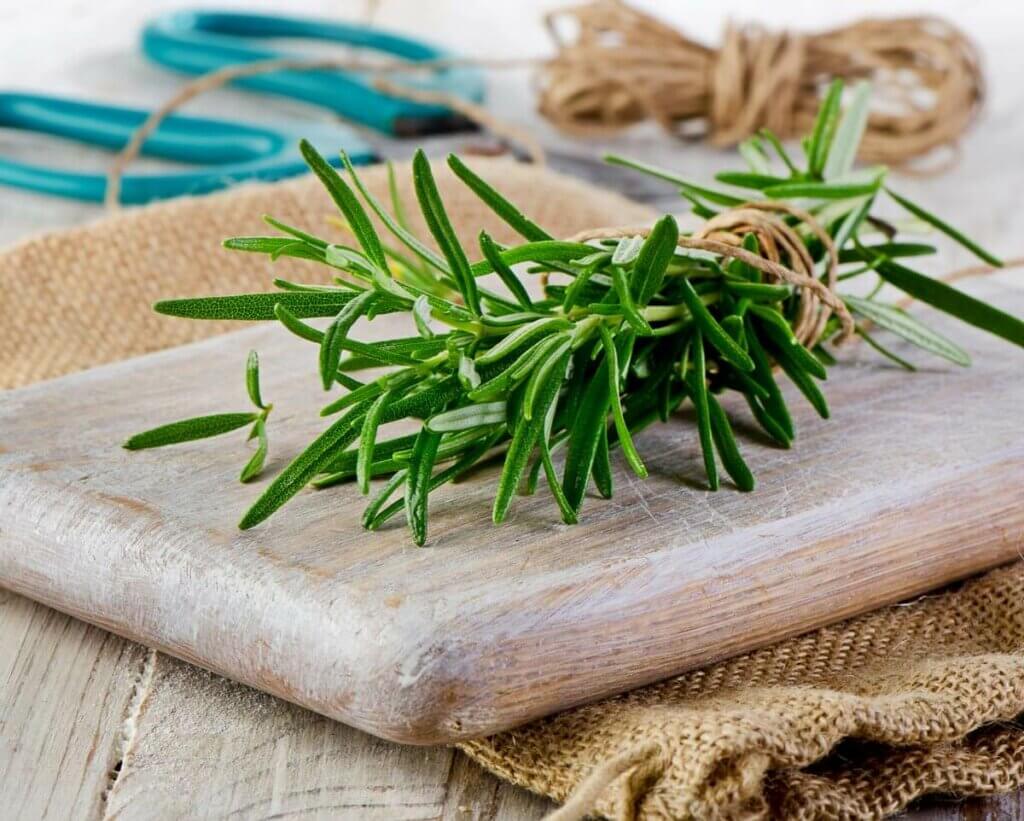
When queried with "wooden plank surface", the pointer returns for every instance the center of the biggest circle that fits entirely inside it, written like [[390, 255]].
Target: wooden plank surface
[[67, 691], [912, 483], [242, 753], [96, 727]]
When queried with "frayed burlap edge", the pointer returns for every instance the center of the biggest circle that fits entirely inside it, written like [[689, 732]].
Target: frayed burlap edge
[[852, 721]]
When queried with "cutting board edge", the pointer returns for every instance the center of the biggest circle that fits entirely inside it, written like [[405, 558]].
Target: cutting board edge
[[965, 544], [444, 705]]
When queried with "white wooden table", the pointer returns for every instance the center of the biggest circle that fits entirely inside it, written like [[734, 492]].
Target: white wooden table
[[93, 726]]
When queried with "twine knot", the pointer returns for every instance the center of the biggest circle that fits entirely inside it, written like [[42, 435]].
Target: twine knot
[[623, 67]]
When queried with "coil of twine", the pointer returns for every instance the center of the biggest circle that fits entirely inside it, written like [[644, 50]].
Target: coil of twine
[[624, 67]]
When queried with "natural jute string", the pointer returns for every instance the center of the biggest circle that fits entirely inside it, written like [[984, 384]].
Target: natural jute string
[[376, 70], [784, 258], [625, 66]]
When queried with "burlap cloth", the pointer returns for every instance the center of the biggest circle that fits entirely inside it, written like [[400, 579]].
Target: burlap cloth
[[852, 721]]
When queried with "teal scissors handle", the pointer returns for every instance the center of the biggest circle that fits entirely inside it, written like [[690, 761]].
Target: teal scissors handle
[[227, 152], [197, 42]]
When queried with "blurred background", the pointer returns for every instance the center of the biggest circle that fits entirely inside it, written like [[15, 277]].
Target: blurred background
[[90, 49]]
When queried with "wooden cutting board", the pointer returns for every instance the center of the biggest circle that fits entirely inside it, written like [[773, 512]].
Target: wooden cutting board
[[915, 482]]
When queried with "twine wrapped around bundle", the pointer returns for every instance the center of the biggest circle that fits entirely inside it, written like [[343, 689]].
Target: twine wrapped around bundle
[[783, 258], [624, 67]]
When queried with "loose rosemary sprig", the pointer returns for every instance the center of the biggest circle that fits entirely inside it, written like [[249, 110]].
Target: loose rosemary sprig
[[627, 329], [203, 427]]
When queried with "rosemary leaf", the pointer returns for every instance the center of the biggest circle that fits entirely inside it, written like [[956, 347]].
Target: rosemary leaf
[[716, 335], [188, 430], [820, 190], [297, 233], [956, 303], [492, 254], [602, 468], [403, 234], [742, 179], [544, 251], [889, 250], [368, 441], [778, 329], [254, 466], [526, 334], [274, 247], [909, 328], [697, 382], [304, 467], [441, 228], [626, 304], [848, 133], [774, 405], [541, 373], [653, 260], [347, 203], [878, 346], [820, 142], [776, 143], [588, 426], [251, 307], [381, 499], [334, 337], [725, 442], [468, 417], [946, 228], [515, 218], [753, 153], [524, 438], [625, 440], [417, 483], [802, 379], [252, 379]]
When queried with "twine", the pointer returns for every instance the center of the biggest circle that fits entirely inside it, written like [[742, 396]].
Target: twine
[[375, 69], [783, 257], [624, 67]]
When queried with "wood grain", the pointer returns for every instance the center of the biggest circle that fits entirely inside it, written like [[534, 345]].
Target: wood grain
[[84, 735], [914, 483], [208, 748], [67, 689]]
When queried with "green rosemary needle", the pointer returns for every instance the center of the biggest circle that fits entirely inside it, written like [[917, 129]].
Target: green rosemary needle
[[628, 328]]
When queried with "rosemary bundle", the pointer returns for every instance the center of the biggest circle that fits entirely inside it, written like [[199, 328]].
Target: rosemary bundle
[[631, 324]]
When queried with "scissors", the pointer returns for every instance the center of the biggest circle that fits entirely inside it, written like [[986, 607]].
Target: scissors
[[226, 151]]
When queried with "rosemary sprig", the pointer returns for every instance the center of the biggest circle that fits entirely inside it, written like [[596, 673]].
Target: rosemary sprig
[[203, 427], [627, 328]]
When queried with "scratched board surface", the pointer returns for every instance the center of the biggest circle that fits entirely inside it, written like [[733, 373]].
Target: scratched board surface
[[913, 483]]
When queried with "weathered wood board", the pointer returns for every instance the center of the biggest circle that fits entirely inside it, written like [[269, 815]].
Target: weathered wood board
[[913, 483]]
